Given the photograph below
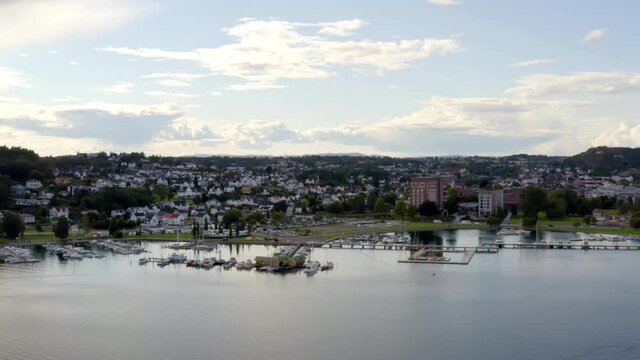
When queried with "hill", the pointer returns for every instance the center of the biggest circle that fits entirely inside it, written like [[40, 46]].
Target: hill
[[607, 160]]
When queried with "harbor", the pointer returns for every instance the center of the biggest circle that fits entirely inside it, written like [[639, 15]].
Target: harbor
[[202, 303]]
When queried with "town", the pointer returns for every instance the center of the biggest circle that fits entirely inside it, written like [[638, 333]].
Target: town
[[100, 195]]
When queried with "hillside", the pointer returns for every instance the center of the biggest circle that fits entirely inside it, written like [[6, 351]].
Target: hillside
[[606, 160]]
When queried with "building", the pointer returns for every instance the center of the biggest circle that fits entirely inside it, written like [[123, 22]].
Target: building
[[489, 201], [429, 189], [28, 218], [57, 212], [512, 199]]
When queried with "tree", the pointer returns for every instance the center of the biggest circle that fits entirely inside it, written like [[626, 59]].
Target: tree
[[534, 200], [357, 203], [588, 219], [12, 225], [206, 224], [412, 211], [278, 216], [451, 205], [61, 228], [493, 220], [336, 207], [401, 208], [231, 216], [380, 206], [428, 208], [195, 230], [635, 220], [372, 197], [304, 203]]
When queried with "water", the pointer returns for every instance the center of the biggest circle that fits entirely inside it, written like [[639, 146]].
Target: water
[[518, 304]]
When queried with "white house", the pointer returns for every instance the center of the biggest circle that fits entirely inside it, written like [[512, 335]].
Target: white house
[[173, 219], [58, 211], [33, 184], [28, 218]]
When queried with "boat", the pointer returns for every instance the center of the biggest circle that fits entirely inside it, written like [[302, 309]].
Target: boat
[[326, 266], [312, 267], [164, 262], [177, 258], [143, 261]]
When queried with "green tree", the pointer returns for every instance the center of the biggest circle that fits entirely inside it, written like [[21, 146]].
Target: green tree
[[12, 225], [336, 207], [635, 220], [357, 203], [380, 206], [61, 228], [588, 219], [412, 211], [304, 203], [493, 220], [231, 216], [428, 208], [451, 205], [534, 200], [401, 208], [278, 216]]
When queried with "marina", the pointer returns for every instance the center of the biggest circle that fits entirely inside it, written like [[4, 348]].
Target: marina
[[492, 285]]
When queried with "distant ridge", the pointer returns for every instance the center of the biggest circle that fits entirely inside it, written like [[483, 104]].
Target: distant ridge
[[603, 159]]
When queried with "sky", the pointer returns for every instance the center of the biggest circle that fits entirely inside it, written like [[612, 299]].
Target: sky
[[294, 77]]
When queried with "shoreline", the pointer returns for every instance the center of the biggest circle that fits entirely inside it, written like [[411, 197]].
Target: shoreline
[[326, 233]]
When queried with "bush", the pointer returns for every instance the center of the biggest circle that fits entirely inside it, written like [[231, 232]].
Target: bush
[[529, 221], [635, 220]]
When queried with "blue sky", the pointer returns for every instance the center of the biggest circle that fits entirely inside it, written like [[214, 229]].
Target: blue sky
[[402, 78]]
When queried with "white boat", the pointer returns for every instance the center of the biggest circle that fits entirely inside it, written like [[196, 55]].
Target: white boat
[[312, 267]]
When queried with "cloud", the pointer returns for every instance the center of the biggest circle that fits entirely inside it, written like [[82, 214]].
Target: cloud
[[73, 63], [445, 2], [44, 21], [265, 52], [129, 125], [622, 136], [121, 87], [540, 85], [532, 62], [65, 99], [10, 78], [171, 79], [594, 35], [341, 28], [171, 95]]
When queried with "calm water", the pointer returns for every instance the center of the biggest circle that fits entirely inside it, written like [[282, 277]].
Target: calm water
[[518, 304]]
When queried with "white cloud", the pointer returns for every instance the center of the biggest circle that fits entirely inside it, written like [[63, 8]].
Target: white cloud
[[532, 62], [594, 35], [341, 28], [215, 93], [65, 99], [73, 63], [539, 85], [444, 2], [42, 21], [171, 95], [622, 136], [10, 78], [171, 79], [121, 87], [266, 52], [256, 85]]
